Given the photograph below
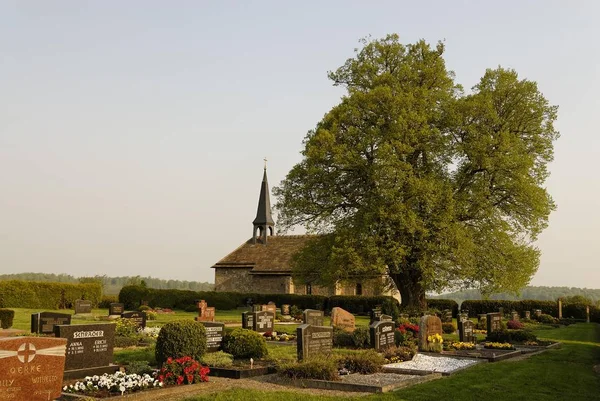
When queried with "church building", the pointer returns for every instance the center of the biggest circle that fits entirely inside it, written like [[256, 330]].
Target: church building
[[263, 263]]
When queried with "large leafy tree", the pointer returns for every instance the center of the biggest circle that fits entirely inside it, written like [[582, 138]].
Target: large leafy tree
[[411, 176]]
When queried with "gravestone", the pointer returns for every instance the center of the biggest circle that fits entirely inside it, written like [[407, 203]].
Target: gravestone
[[270, 307], [83, 306], [247, 320], [465, 331], [31, 368], [527, 315], [385, 318], [44, 322], [285, 310], [115, 309], [257, 308], [559, 308], [263, 321], [514, 316], [463, 316], [313, 341], [481, 316], [313, 317], [342, 319], [446, 316], [494, 322], [375, 315], [428, 326], [382, 335], [205, 313], [537, 312], [138, 317], [214, 335], [89, 348]]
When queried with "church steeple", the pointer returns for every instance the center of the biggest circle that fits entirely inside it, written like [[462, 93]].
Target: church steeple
[[263, 223]]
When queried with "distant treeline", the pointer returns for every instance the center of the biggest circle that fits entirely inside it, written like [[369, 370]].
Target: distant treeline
[[112, 285], [531, 292]]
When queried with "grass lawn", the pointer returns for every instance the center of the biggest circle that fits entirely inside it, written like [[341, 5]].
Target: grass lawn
[[557, 374]]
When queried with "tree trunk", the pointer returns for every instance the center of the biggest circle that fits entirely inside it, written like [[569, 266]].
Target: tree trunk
[[411, 289]]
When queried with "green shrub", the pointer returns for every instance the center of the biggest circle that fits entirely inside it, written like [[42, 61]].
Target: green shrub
[[124, 342], [242, 343], [138, 368], [218, 359], [181, 338], [6, 318], [151, 315], [106, 300], [364, 362], [359, 304], [323, 368], [476, 307], [399, 354], [441, 304], [546, 319], [125, 328], [511, 336], [342, 338], [361, 338], [295, 312], [144, 308], [448, 328], [46, 295]]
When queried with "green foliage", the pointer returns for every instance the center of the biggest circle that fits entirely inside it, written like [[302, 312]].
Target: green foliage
[[324, 368], [45, 295], [410, 175], [125, 328], [364, 362], [181, 338], [138, 368], [511, 336], [242, 343], [361, 338], [106, 300], [448, 328], [359, 304], [124, 342], [545, 318], [6, 318], [399, 354], [441, 304], [342, 338], [218, 359], [476, 307], [541, 293]]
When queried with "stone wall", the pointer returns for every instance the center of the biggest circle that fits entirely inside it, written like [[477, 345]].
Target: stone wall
[[235, 279]]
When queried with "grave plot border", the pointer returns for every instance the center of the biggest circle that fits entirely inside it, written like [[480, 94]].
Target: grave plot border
[[420, 372], [241, 373], [364, 388]]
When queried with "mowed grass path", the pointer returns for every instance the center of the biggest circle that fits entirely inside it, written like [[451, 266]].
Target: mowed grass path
[[558, 374]]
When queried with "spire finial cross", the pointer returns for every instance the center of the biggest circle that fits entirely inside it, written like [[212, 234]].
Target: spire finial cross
[[265, 159]]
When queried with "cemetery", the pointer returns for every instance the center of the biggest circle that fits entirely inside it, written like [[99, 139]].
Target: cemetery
[[378, 351]]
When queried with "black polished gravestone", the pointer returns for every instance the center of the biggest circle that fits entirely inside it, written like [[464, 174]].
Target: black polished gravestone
[[313, 341], [116, 308], [263, 321], [375, 315], [44, 322], [313, 317], [382, 335], [138, 317], [214, 335], [247, 320], [83, 306], [494, 322], [465, 331], [89, 349]]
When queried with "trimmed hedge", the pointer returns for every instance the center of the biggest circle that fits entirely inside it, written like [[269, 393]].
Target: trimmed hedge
[[180, 338], [477, 307], [46, 295], [132, 296], [6, 318], [441, 304]]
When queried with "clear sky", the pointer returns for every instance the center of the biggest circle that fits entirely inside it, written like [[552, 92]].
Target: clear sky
[[132, 133]]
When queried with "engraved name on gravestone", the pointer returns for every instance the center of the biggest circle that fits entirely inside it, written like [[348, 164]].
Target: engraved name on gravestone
[[138, 317], [247, 320], [116, 308], [263, 321], [313, 317], [385, 318], [465, 331], [494, 322], [313, 341], [382, 335], [83, 306], [88, 345], [31, 368], [214, 335], [44, 322]]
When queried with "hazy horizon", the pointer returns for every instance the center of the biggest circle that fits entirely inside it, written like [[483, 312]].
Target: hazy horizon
[[132, 135]]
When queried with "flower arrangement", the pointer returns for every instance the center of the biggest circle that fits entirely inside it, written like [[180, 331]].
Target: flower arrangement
[[407, 327], [462, 345], [531, 343], [183, 370], [435, 343], [505, 346], [115, 383], [273, 336], [477, 331]]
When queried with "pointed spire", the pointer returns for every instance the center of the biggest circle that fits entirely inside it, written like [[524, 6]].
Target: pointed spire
[[263, 221]]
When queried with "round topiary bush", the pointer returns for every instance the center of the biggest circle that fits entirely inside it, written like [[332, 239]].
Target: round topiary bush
[[6, 318], [448, 328], [181, 338], [242, 343]]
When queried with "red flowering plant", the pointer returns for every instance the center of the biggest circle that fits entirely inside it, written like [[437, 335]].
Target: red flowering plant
[[405, 327], [183, 370]]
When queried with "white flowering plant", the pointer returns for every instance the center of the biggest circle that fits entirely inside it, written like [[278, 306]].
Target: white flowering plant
[[116, 383]]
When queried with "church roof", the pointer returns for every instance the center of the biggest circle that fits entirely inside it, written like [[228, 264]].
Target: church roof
[[272, 258], [263, 212]]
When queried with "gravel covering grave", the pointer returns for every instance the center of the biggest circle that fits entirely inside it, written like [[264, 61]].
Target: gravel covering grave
[[377, 379], [428, 363]]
